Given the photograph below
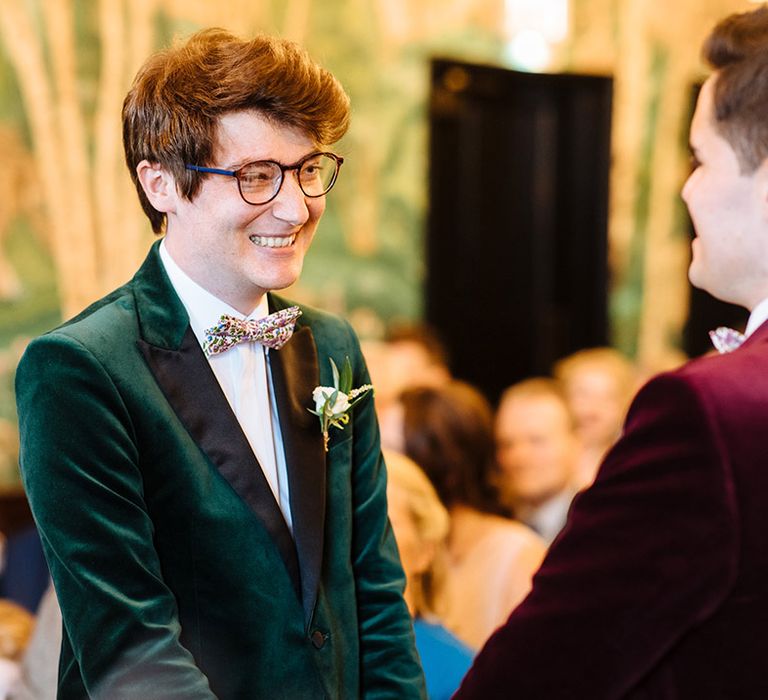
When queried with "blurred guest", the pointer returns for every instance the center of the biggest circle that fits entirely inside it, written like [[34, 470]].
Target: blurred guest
[[420, 523], [24, 575], [448, 432], [40, 663], [417, 355], [411, 355], [376, 357], [599, 384], [537, 453], [15, 629]]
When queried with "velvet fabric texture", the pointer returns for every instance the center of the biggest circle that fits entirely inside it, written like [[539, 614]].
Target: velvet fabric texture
[[657, 587], [175, 570]]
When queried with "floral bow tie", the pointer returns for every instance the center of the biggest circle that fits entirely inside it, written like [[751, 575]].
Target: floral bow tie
[[726, 339], [274, 331]]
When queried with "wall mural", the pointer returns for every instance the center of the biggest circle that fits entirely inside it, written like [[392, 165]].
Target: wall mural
[[71, 228]]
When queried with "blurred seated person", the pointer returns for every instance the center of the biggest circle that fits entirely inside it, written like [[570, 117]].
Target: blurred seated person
[[448, 432], [24, 575], [15, 629], [537, 453], [39, 672], [599, 384], [420, 523], [411, 354]]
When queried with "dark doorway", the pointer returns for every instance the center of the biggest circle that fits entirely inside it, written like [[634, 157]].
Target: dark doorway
[[517, 227]]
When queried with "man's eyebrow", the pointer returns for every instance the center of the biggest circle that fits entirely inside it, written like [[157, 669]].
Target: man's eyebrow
[[236, 165]]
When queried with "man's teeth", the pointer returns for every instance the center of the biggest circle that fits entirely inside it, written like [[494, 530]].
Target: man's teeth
[[273, 241]]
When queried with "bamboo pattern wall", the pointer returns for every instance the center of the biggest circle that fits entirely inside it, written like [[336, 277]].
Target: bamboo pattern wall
[[71, 228]]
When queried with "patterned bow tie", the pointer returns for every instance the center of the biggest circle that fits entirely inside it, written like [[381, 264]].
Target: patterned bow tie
[[726, 339], [274, 331]]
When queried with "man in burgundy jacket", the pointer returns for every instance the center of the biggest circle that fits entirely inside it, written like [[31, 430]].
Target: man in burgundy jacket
[[658, 586]]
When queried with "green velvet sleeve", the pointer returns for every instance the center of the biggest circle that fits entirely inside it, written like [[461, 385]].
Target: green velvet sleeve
[[80, 467]]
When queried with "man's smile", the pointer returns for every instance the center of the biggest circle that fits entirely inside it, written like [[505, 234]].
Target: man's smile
[[273, 241]]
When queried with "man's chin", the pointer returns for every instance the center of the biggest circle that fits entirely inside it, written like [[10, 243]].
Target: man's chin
[[280, 283], [696, 276], [282, 274], [722, 292]]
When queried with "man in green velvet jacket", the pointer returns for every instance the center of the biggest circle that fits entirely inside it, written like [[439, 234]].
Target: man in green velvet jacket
[[203, 540]]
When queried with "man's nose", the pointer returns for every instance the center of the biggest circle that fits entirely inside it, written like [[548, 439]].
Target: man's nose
[[291, 202]]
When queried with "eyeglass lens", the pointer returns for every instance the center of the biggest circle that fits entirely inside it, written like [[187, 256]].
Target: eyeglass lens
[[260, 181]]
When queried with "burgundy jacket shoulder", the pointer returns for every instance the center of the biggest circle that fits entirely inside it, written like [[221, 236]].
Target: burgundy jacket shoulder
[[656, 586]]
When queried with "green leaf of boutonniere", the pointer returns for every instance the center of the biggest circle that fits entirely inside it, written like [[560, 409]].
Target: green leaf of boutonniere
[[333, 403]]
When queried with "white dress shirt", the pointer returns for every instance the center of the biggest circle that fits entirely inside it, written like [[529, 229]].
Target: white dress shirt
[[244, 375], [548, 518], [758, 316]]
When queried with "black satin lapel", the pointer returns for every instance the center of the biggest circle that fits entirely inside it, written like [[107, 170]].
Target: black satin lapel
[[295, 374], [191, 388]]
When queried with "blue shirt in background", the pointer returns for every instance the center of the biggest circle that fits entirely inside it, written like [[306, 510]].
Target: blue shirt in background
[[444, 658]]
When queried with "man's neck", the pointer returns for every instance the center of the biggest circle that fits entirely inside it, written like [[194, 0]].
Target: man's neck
[[172, 259]]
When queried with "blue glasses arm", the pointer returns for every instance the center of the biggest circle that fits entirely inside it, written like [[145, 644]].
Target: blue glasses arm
[[217, 171]]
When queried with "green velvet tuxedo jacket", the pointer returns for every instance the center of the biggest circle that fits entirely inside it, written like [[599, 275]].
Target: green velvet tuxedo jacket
[[175, 570]]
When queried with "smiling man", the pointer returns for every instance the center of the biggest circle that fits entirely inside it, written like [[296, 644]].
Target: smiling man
[[657, 586], [203, 539]]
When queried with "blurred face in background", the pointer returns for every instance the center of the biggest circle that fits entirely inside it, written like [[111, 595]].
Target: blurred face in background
[[535, 447], [392, 426], [405, 364], [598, 404]]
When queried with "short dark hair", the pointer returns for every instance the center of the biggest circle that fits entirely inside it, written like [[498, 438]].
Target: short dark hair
[[448, 432], [737, 49], [423, 335], [171, 113]]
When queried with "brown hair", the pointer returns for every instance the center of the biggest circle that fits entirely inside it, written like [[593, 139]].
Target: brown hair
[[737, 49], [423, 335], [171, 112], [448, 432]]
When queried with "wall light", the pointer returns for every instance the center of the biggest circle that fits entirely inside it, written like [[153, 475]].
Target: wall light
[[532, 27]]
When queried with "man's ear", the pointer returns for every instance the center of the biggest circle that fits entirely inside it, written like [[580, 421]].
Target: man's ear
[[159, 186]]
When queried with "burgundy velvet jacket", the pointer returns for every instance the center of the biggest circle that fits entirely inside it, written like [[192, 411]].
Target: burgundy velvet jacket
[[657, 588]]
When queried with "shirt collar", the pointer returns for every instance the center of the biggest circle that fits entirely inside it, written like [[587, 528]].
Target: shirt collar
[[203, 308], [758, 316]]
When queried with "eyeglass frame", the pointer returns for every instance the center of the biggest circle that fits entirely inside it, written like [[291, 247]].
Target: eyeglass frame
[[283, 169]]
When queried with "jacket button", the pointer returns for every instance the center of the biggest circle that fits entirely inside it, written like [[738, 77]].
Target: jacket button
[[318, 639]]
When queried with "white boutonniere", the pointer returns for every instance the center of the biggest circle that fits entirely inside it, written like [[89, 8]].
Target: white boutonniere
[[333, 403]]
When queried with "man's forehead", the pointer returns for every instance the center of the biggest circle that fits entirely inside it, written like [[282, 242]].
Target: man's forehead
[[540, 403], [251, 135]]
